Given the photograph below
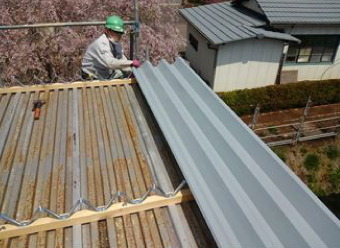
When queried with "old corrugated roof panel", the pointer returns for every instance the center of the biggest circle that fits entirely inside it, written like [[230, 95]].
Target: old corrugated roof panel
[[247, 195], [301, 11], [221, 23], [92, 140]]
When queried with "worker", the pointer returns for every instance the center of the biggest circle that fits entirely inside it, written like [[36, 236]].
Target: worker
[[104, 58]]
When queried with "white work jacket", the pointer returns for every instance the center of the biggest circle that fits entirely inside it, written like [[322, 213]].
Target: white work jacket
[[99, 60]]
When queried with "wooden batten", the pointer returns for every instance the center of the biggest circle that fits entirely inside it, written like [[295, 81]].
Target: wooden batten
[[66, 86], [87, 216]]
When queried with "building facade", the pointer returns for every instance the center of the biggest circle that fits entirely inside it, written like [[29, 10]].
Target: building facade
[[255, 43]]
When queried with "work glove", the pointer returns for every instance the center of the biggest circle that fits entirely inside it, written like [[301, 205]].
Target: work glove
[[135, 63]]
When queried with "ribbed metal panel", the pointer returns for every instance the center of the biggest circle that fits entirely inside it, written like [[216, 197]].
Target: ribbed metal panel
[[301, 11], [248, 196], [89, 142], [221, 23]]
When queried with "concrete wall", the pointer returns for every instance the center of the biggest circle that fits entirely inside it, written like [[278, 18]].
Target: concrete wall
[[203, 60], [315, 71], [247, 64]]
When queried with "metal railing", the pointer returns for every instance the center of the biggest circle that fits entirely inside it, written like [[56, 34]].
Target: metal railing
[[297, 131]]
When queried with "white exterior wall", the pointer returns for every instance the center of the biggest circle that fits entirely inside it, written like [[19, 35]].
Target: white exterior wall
[[310, 30], [247, 64], [315, 71], [203, 60]]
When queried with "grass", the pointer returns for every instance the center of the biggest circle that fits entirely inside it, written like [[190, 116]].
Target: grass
[[311, 162], [332, 152], [334, 178], [281, 153], [273, 130], [316, 163], [303, 150]]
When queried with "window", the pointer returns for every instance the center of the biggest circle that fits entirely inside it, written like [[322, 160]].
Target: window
[[313, 49], [193, 42]]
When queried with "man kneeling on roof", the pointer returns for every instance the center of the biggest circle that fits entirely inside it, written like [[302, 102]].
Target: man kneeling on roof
[[104, 58]]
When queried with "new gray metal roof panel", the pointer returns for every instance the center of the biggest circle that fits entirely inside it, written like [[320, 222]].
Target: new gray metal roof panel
[[247, 195], [221, 23], [301, 11]]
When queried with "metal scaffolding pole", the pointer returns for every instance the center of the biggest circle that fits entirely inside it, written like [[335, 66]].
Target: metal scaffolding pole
[[1, 83], [255, 116], [58, 24], [136, 30], [302, 120], [147, 53]]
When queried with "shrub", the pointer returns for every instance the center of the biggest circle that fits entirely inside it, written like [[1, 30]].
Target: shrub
[[311, 162], [332, 152], [279, 97]]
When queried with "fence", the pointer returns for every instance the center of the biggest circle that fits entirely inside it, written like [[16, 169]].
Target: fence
[[295, 131]]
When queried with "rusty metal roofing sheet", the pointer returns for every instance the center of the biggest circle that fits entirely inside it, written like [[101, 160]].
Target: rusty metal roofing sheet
[[89, 142], [248, 196], [222, 23]]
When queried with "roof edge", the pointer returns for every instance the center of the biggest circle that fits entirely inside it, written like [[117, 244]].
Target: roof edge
[[78, 84]]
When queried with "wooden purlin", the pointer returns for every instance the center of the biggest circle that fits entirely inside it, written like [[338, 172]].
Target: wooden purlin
[[87, 216], [66, 86]]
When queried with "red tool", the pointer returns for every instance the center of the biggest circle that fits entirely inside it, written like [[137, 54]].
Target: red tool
[[37, 104]]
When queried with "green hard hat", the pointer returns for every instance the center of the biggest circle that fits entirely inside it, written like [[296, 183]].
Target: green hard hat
[[115, 23]]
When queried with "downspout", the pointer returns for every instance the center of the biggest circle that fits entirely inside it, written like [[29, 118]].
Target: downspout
[[282, 59], [279, 70]]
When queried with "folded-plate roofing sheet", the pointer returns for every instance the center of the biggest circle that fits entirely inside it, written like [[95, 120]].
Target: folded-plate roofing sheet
[[89, 142], [248, 196]]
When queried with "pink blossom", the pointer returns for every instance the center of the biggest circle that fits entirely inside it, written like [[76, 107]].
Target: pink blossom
[[54, 54]]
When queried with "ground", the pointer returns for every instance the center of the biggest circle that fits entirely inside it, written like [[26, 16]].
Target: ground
[[317, 163]]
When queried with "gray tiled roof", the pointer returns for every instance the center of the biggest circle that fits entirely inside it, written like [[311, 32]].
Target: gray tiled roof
[[222, 23], [301, 11]]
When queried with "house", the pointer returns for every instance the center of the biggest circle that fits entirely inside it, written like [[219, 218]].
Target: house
[[144, 137], [254, 43]]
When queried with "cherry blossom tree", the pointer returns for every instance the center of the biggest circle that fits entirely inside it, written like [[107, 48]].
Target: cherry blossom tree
[[54, 54]]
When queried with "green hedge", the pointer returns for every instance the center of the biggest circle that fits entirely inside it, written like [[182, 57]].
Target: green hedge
[[279, 97]]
